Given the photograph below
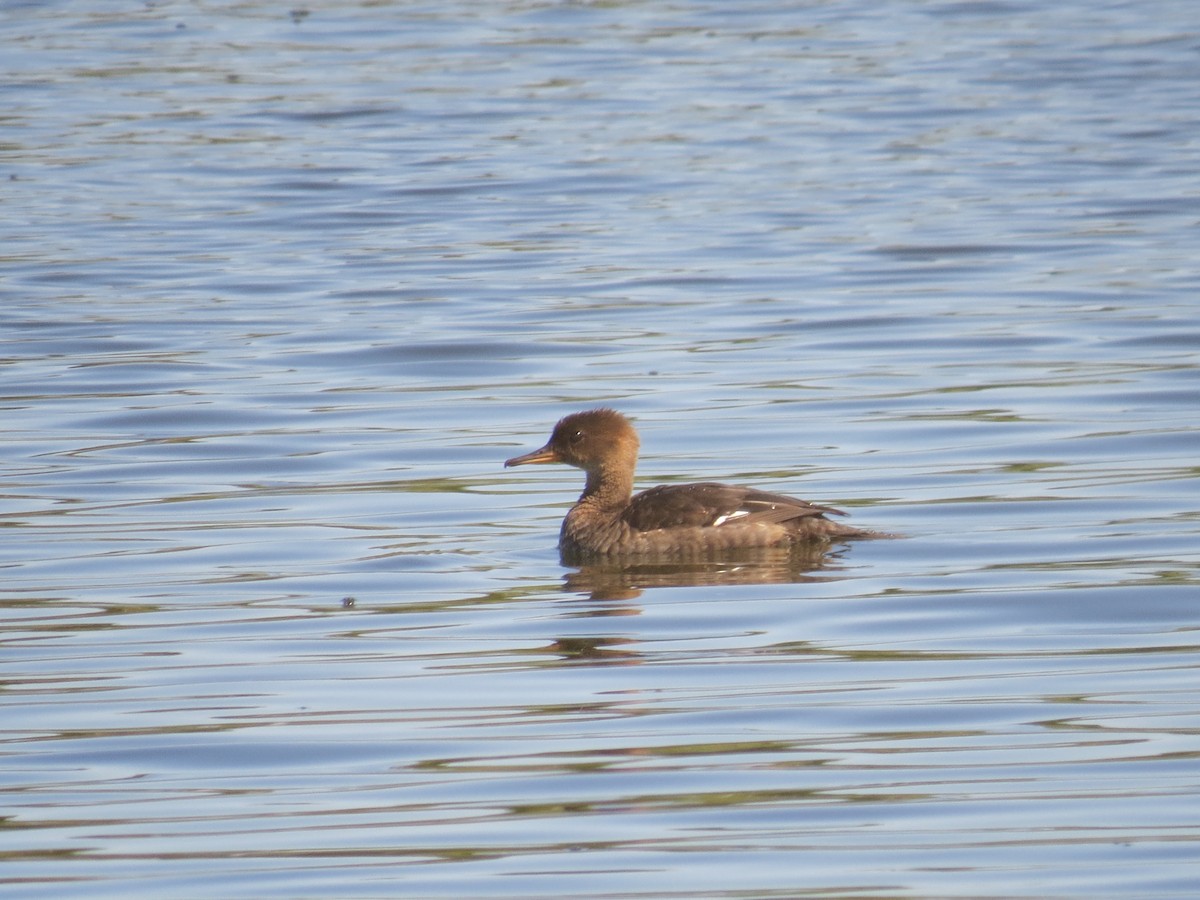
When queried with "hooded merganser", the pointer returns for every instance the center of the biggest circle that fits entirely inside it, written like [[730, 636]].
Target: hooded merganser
[[671, 521]]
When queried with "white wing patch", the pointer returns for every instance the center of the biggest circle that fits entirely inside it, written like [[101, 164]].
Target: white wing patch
[[729, 517]]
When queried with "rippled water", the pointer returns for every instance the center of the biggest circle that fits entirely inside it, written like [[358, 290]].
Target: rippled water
[[282, 288]]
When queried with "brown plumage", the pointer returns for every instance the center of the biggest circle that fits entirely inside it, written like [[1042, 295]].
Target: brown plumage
[[670, 521]]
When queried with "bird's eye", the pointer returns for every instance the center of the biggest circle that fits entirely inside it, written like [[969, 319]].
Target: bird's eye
[[576, 437]]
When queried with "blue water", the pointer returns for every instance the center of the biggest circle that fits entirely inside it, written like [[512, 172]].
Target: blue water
[[281, 288]]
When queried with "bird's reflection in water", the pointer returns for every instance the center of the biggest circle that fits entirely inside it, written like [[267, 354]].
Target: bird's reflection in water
[[624, 580], [596, 649]]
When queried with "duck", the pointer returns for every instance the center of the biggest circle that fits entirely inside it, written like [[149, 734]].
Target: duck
[[678, 521]]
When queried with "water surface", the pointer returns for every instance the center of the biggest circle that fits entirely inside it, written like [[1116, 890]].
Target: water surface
[[283, 288]]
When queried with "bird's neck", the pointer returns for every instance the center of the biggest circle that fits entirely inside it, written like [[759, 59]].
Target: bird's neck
[[608, 487]]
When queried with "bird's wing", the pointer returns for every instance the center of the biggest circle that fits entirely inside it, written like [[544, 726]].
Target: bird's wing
[[709, 504]]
